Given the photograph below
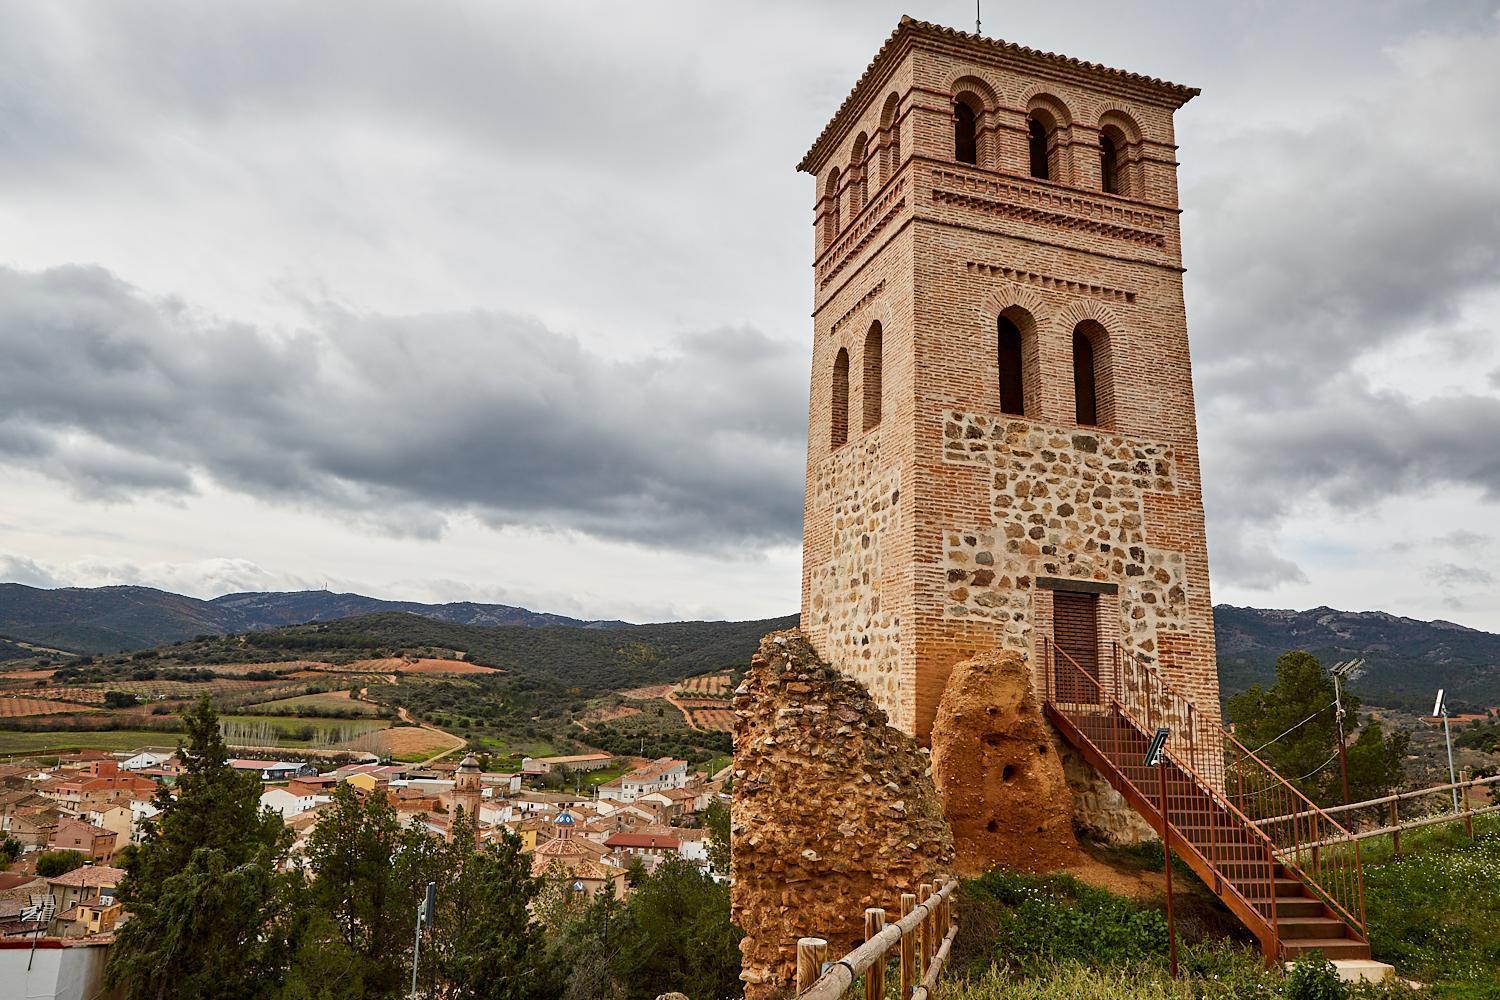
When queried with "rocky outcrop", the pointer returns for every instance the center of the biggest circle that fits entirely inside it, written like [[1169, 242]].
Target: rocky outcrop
[[997, 770], [834, 811]]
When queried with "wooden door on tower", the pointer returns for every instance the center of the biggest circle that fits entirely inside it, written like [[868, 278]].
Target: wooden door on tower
[[1075, 632]]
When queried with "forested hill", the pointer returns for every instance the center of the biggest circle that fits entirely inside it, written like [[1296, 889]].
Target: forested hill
[[1406, 660], [588, 661], [116, 619]]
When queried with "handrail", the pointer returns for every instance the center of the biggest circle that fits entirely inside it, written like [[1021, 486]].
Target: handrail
[[1236, 783], [1238, 859], [844, 972], [1343, 893]]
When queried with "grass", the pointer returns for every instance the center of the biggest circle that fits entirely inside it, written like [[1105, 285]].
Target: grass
[[1435, 912], [16, 742], [1051, 937], [316, 704]]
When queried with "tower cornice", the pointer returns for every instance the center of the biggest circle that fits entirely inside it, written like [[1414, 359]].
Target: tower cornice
[[911, 33]]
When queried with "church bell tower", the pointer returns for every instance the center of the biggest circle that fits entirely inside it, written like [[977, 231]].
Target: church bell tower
[[1002, 444]]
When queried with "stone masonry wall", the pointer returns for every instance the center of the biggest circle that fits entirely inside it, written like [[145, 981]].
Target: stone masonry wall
[[1065, 502], [834, 811]]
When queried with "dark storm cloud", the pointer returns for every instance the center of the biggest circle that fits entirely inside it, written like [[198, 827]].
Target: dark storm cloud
[[402, 420], [1321, 245]]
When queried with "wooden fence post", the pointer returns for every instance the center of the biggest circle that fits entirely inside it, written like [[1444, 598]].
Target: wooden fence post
[[875, 974], [908, 948], [1396, 823], [811, 952], [924, 893]]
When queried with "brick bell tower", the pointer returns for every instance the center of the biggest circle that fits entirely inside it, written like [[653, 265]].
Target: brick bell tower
[[1002, 446]]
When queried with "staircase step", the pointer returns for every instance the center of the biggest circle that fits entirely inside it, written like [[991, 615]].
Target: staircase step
[[1332, 948], [1303, 906], [1299, 928]]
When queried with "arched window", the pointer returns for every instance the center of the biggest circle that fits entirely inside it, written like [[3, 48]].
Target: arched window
[[1039, 140], [1012, 368], [1093, 385], [870, 387], [1109, 163], [965, 133], [859, 188], [839, 431], [890, 127], [1085, 399], [831, 224]]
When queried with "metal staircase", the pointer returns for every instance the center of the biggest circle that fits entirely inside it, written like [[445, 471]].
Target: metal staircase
[[1287, 869]]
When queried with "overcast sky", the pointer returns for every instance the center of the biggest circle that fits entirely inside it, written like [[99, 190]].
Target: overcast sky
[[509, 302]]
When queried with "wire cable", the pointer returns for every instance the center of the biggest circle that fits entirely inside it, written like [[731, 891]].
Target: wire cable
[[1298, 726]]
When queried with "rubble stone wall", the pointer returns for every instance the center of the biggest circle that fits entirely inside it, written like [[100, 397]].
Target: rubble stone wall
[[834, 811]]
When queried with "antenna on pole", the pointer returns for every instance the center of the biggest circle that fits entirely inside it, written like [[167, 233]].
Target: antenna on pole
[[976, 18]]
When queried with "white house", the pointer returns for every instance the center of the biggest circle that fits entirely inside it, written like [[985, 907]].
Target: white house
[[657, 776], [288, 803], [146, 758]]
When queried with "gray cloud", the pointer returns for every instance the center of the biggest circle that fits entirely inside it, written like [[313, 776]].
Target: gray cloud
[[403, 420], [1319, 245]]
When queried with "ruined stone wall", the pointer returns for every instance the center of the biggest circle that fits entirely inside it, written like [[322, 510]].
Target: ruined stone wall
[[834, 811]]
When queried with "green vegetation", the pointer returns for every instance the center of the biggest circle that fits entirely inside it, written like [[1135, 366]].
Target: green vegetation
[[269, 730], [1433, 913], [53, 740], [1303, 751], [50, 864], [1050, 937], [325, 704], [665, 732], [211, 871]]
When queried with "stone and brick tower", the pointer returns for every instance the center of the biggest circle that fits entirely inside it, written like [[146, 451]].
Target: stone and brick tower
[[1002, 444]]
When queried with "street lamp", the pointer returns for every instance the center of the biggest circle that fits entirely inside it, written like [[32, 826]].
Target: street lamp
[[1440, 707], [1156, 756]]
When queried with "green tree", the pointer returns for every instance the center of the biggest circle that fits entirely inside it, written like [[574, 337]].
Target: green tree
[[485, 945], [1291, 726], [716, 821], [213, 931], [207, 902], [677, 936], [50, 864], [369, 875]]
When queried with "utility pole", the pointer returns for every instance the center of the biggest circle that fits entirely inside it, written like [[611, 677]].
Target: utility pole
[[424, 921], [1340, 671]]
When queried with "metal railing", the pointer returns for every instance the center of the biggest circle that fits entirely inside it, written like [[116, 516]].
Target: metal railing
[[1235, 819], [921, 939]]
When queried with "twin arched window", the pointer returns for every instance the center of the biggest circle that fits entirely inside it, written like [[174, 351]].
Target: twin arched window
[[871, 388], [1018, 366]]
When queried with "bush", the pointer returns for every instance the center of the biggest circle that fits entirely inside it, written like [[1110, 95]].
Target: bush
[[51, 864], [1313, 977], [1055, 918]]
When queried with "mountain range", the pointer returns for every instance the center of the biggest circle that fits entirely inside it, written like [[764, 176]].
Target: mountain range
[[116, 619], [1405, 660]]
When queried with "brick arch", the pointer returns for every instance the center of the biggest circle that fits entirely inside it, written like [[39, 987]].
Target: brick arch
[[1123, 118], [1080, 310], [1007, 294], [1017, 364], [979, 96], [1037, 96], [1101, 328], [889, 136]]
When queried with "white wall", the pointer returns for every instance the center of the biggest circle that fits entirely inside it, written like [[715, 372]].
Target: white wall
[[56, 973]]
